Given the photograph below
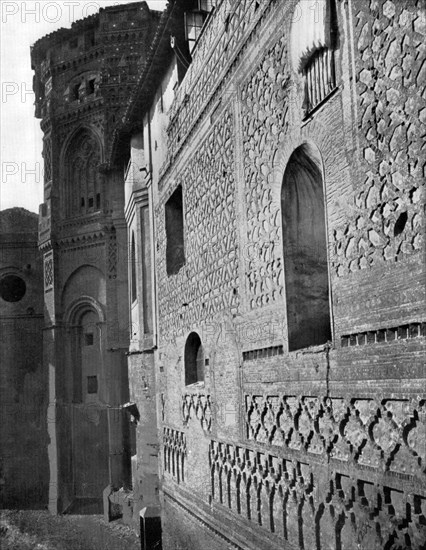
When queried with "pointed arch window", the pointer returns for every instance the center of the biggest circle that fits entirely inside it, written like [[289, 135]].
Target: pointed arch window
[[305, 250]]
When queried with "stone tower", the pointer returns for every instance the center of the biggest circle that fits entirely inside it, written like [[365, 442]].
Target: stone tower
[[83, 77]]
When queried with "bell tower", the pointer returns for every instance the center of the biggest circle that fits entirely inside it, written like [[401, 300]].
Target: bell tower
[[83, 79]]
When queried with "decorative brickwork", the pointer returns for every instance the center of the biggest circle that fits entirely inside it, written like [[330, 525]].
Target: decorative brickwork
[[386, 224], [372, 433], [265, 105], [209, 279], [174, 449], [48, 271], [198, 406], [288, 498], [404, 332], [222, 40], [47, 156]]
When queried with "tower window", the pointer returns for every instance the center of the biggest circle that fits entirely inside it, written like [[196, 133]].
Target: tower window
[[194, 360], [75, 92], [92, 384], [175, 249], [91, 86], [88, 339]]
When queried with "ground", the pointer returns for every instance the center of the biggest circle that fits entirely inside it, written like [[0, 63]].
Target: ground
[[38, 530]]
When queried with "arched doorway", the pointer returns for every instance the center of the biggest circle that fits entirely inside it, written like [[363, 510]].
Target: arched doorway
[[305, 250]]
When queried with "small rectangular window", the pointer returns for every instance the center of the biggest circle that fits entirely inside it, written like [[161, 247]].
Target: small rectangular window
[[82, 202], [175, 248], [92, 384], [91, 202], [88, 339], [98, 201]]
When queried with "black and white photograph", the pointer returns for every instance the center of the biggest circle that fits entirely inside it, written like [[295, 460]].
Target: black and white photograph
[[213, 275]]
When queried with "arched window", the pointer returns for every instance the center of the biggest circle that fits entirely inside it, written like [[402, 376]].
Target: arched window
[[194, 360], [82, 188], [305, 250], [133, 268]]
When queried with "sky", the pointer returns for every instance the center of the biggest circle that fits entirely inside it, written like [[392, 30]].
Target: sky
[[22, 24]]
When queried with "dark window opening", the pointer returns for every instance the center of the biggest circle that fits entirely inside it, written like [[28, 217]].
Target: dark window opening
[[75, 92], [82, 202], [175, 249], [305, 251], [98, 200], [194, 360], [92, 384], [133, 266], [91, 86], [88, 339], [12, 288], [91, 202], [146, 271]]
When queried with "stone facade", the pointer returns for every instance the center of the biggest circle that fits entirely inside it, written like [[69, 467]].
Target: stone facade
[[305, 427], [23, 389]]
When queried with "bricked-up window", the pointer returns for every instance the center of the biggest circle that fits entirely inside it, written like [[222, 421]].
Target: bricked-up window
[[175, 249], [133, 268], [305, 250], [194, 360], [88, 339], [92, 384], [313, 42]]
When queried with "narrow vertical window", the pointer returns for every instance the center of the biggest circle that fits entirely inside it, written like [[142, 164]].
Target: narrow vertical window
[[305, 251], [175, 251], [146, 271], [133, 268]]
